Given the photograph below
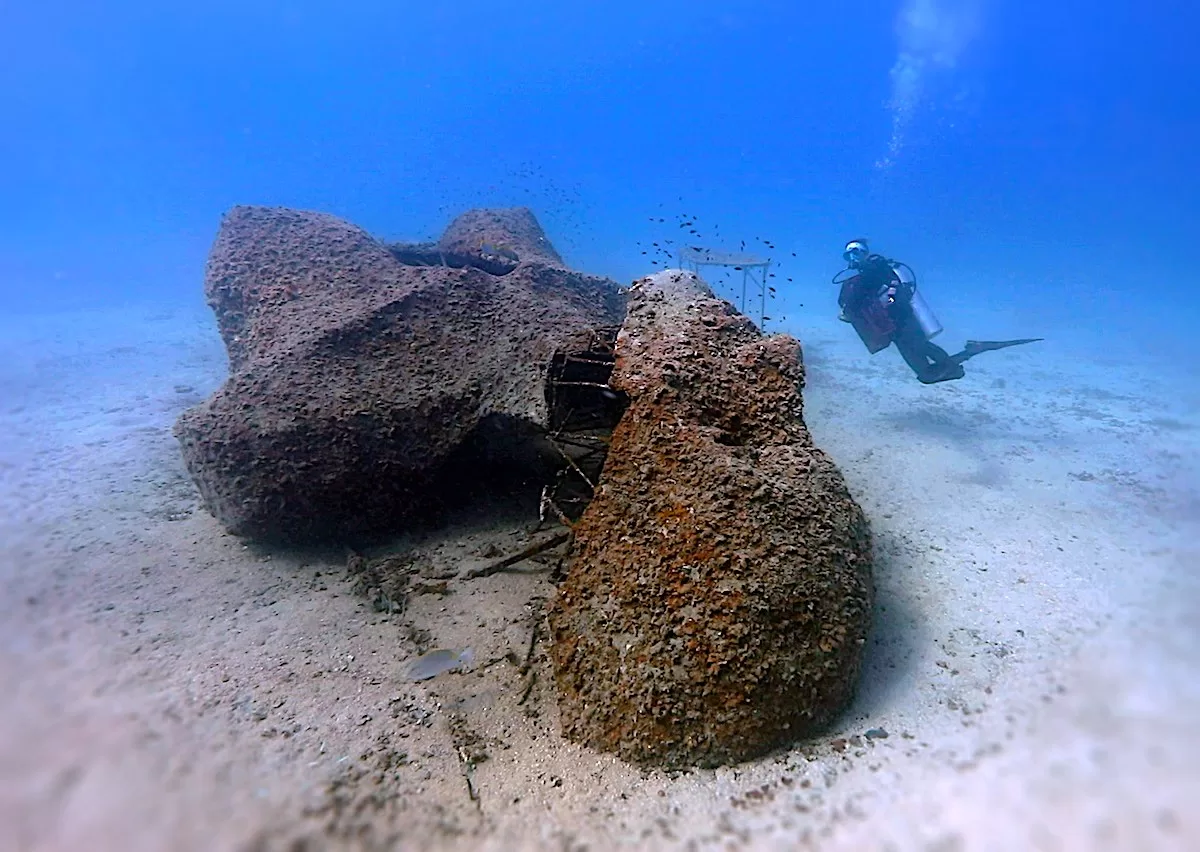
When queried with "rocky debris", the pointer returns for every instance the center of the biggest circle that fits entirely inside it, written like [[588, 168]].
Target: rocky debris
[[719, 594], [511, 235], [363, 390], [385, 582], [272, 271]]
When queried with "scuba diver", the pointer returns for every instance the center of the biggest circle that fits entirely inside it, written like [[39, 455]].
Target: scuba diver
[[879, 298]]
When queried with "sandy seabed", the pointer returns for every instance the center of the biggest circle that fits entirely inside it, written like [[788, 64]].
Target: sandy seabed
[[1032, 680]]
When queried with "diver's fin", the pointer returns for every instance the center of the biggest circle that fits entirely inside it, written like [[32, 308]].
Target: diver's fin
[[974, 347]]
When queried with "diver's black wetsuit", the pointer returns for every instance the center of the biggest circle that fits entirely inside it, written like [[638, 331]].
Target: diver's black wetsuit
[[930, 362], [879, 303]]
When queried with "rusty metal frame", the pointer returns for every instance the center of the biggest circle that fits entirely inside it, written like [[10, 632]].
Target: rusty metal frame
[[755, 271]]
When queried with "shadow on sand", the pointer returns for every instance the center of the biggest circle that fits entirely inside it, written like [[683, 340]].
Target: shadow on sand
[[896, 639]]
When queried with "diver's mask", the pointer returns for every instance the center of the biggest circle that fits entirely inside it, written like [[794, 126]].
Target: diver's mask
[[856, 252]]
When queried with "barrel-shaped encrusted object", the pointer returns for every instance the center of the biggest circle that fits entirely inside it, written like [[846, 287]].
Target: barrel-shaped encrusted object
[[719, 595]]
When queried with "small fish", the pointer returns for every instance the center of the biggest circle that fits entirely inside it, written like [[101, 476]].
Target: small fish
[[439, 661]]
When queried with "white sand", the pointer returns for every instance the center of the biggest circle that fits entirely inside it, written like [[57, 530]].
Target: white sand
[[167, 687]]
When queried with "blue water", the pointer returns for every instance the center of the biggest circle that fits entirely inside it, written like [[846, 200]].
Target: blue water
[[1019, 155], [1034, 162]]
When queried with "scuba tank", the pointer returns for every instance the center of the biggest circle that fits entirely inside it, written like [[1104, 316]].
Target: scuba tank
[[923, 314]]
